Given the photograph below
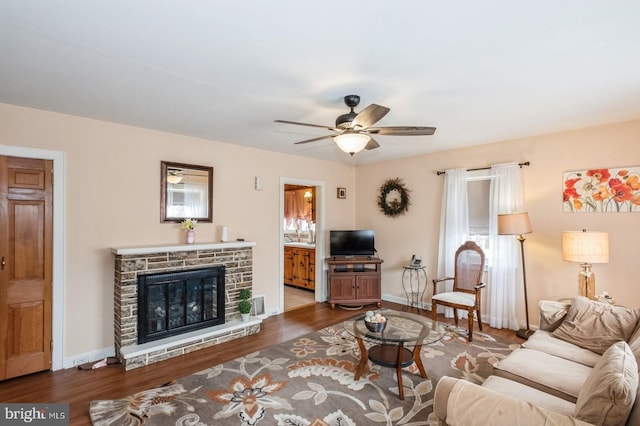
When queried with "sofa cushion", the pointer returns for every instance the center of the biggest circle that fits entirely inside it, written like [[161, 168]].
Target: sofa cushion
[[545, 342], [634, 344], [610, 390], [529, 394], [548, 373], [552, 314], [596, 326], [470, 404], [441, 396]]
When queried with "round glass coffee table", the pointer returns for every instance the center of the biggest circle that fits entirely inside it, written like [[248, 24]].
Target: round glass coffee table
[[388, 350]]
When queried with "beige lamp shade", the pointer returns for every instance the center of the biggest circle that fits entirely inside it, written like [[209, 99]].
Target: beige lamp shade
[[585, 247], [514, 223]]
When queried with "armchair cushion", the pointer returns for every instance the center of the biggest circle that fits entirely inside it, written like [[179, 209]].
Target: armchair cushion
[[608, 394], [596, 326], [456, 297]]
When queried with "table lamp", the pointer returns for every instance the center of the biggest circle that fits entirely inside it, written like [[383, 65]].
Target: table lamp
[[518, 224], [586, 248]]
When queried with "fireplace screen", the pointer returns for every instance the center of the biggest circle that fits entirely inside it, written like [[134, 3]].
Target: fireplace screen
[[178, 302]]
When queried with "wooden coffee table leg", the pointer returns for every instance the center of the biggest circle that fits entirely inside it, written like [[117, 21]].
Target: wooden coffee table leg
[[418, 360], [364, 357], [399, 372]]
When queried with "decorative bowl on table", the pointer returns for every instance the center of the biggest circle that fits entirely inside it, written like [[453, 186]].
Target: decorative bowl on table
[[375, 322]]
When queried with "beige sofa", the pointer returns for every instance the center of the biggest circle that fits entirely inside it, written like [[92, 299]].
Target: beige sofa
[[579, 368]]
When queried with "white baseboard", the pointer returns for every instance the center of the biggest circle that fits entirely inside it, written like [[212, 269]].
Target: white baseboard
[[84, 358], [403, 301]]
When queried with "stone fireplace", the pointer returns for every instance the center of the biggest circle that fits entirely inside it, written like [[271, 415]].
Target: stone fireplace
[[134, 263]]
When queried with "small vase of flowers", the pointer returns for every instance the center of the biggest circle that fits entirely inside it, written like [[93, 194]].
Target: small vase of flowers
[[189, 226]]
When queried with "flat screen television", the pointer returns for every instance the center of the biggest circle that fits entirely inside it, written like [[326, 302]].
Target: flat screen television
[[349, 243]]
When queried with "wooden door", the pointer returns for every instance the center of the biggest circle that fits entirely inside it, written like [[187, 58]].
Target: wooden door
[[342, 287], [26, 229], [288, 265], [300, 267], [368, 287], [311, 275]]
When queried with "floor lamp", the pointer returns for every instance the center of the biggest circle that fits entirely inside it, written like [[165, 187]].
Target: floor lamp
[[586, 248], [518, 224]]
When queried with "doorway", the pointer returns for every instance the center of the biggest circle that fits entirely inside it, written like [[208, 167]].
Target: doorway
[[58, 258], [302, 243]]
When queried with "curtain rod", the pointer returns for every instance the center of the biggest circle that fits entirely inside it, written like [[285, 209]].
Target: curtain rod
[[526, 163]]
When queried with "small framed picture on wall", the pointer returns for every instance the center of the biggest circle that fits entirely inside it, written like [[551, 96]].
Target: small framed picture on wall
[[342, 193]]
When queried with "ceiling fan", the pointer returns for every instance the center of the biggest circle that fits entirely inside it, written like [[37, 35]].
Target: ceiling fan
[[353, 130]]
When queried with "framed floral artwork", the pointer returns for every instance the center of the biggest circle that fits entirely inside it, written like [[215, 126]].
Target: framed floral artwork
[[602, 190]]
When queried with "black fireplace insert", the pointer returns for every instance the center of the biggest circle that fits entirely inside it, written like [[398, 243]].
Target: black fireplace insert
[[172, 303]]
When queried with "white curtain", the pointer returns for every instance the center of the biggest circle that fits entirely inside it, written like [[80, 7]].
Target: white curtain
[[195, 200], [454, 227], [504, 291], [296, 208]]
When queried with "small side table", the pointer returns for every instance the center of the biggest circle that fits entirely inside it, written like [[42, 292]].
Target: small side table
[[387, 348], [414, 283]]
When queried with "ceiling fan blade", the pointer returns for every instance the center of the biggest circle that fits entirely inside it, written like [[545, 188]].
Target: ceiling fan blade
[[401, 130], [305, 124], [372, 144], [315, 139], [369, 115]]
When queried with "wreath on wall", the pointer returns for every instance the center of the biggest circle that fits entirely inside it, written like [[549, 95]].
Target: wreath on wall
[[394, 198]]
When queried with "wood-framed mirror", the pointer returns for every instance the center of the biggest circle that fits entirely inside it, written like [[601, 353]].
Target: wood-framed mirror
[[186, 192]]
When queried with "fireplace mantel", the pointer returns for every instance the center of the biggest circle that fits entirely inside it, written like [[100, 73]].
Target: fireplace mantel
[[172, 248]]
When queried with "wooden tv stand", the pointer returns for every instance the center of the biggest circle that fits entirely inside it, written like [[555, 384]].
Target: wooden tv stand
[[354, 281]]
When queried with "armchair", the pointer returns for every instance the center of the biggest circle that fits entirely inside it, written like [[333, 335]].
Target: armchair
[[467, 284]]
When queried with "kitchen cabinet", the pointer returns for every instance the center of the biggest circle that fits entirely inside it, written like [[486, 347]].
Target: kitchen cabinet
[[288, 265], [311, 274], [354, 281], [300, 267]]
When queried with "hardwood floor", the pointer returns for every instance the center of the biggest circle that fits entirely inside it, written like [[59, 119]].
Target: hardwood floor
[[80, 387]]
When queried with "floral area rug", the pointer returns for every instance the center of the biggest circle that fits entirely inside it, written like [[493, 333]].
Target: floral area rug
[[307, 381]]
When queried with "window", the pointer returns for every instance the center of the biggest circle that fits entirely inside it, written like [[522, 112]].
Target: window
[[298, 209], [479, 193]]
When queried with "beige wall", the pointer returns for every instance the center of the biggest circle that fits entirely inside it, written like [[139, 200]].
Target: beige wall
[[112, 200], [548, 276]]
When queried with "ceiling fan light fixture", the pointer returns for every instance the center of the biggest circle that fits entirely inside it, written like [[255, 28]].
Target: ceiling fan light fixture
[[174, 179], [353, 128], [352, 143]]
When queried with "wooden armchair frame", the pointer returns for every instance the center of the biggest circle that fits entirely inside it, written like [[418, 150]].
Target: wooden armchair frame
[[467, 285]]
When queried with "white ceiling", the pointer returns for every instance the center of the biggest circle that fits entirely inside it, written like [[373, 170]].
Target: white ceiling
[[479, 71]]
